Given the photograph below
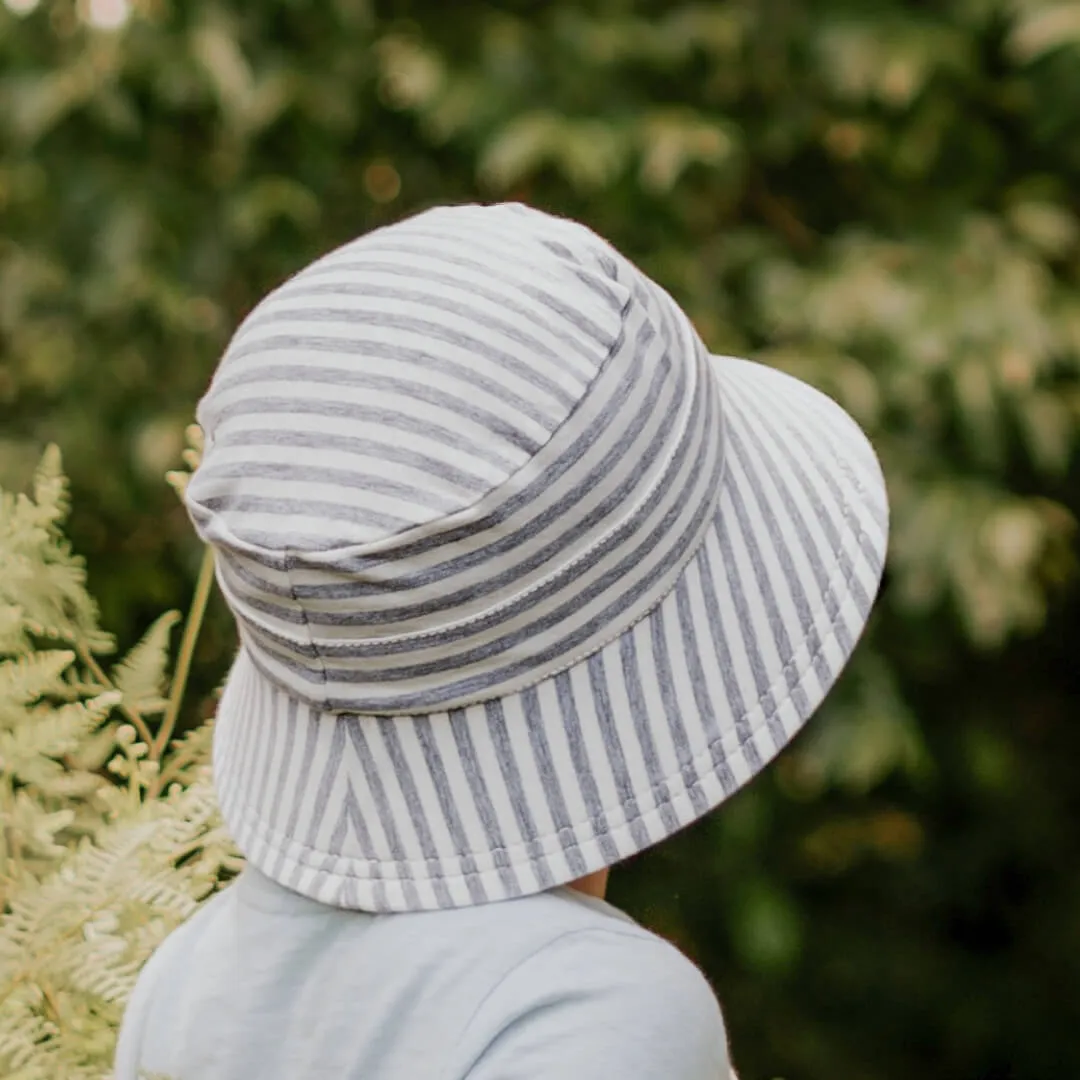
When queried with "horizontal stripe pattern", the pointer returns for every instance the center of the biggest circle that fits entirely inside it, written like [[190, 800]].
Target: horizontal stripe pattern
[[613, 754], [392, 590], [525, 580]]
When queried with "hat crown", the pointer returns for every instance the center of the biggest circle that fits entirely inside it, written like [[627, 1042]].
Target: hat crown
[[463, 332], [452, 457]]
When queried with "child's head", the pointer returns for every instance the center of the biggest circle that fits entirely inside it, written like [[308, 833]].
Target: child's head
[[525, 579]]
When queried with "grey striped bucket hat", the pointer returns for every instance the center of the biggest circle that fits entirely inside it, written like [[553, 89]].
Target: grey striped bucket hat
[[525, 579]]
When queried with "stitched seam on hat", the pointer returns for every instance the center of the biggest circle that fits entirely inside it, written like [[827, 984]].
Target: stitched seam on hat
[[651, 793], [289, 560]]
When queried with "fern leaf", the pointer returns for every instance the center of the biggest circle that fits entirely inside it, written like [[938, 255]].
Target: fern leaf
[[30, 752], [95, 873], [29, 678], [51, 489], [33, 831], [189, 754], [141, 675], [38, 571]]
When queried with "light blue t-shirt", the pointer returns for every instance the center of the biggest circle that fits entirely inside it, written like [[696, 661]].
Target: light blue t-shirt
[[264, 984]]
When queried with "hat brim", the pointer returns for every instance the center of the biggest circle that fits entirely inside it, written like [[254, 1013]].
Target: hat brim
[[516, 795]]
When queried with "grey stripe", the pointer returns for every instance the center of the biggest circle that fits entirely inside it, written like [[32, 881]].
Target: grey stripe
[[350, 811], [348, 896], [430, 331], [262, 707], [281, 794], [239, 578], [576, 318], [403, 775], [691, 649], [356, 817], [735, 700], [337, 839], [358, 379], [362, 447], [826, 520], [519, 800], [571, 263], [246, 747], [806, 542], [579, 755], [610, 731], [301, 784], [588, 280], [665, 681], [549, 779], [652, 305], [807, 620], [485, 809], [426, 299], [328, 511], [851, 519], [437, 774], [766, 698], [781, 638], [326, 781], [237, 583], [427, 498], [258, 546], [236, 777], [366, 414], [355, 730], [667, 318], [639, 714], [504, 301]]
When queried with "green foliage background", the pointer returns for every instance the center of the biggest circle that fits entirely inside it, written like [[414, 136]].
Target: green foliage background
[[881, 197]]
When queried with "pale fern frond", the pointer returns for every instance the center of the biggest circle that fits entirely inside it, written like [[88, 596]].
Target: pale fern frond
[[94, 871], [52, 496], [27, 1036], [36, 830], [188, 755], [29, 750], [39, 574], [28, 678], [141, 676]]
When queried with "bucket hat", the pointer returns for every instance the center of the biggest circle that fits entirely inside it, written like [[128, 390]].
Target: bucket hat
[[525, 579]]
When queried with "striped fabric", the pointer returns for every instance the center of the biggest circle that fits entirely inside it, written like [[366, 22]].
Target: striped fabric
[[525, 580]]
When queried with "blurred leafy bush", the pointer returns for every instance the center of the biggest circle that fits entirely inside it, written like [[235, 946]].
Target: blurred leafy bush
[[880, 198]]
